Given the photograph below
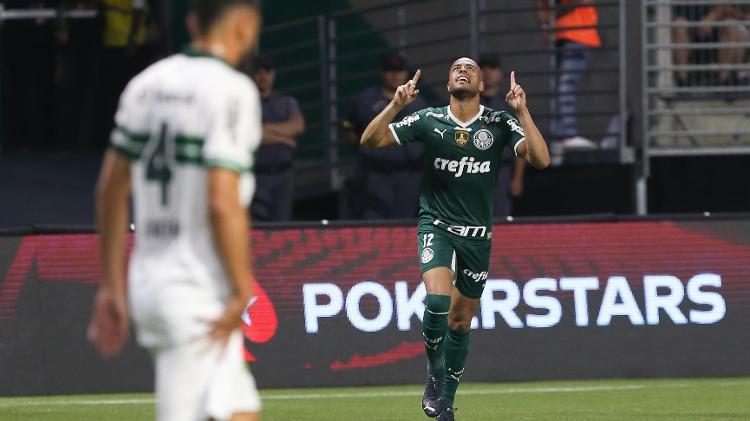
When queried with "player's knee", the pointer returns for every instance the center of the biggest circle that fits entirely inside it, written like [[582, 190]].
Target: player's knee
[[459, 322]]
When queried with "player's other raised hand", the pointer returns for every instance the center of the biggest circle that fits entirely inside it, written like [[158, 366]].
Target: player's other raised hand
[[516, 97], [407, 93]]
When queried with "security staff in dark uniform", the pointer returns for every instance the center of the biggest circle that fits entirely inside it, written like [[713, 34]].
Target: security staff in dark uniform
[[282, 124], [390, 176]]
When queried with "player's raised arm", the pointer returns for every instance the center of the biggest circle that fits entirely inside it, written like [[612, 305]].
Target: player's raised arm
[[534, 149], [377, 135]]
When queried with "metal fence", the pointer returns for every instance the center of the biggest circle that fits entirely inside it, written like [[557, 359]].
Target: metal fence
[[696, 77], [696, 80]]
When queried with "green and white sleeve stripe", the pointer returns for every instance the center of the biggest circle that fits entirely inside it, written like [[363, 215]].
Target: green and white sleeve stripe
[[188, 150], [127, 143]]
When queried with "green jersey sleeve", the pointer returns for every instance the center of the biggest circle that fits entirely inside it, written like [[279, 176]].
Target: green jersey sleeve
[[409, 129], [514, 133]]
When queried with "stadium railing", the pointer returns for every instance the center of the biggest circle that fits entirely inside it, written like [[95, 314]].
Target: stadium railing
[[688, 110]]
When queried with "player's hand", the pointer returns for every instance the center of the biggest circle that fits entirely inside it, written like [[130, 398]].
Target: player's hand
[[108, 328], [407, 93], [516, 97], [223, 327]]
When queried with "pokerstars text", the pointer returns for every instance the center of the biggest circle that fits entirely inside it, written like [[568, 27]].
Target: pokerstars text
[[538, 303]]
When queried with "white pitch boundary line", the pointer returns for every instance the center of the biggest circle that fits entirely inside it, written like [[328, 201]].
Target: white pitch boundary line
[[75, 402], [474, 392], [355, 395], [26, 402]]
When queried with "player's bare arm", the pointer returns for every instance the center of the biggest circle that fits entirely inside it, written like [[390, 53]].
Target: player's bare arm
[[534, 149], [230, 224], [108, 327], [377, 135]]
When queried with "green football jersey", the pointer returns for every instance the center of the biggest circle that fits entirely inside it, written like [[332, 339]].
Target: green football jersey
[[461, 161]]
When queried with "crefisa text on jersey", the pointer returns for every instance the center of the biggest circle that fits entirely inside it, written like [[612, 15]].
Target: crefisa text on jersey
[[662, 299], [466, 165]]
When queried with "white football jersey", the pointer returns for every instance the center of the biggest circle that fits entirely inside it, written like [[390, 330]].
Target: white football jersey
[[179, 117]]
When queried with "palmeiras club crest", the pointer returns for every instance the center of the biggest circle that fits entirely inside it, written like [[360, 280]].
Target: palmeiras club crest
[[483, 139]]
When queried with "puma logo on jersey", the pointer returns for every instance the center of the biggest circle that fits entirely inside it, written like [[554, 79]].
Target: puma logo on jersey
[[441, 133], [466, 165]]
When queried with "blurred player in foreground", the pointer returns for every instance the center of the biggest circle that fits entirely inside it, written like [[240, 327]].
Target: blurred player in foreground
[[186, 131], [464, 143]]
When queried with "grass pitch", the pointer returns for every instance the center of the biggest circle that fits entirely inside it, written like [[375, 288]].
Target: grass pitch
[[673, 399]]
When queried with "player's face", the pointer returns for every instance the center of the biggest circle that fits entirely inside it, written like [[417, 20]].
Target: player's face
[[392, 79], [465, 79]]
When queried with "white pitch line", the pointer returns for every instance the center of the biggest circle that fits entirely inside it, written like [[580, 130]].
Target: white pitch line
[[341, 395], [473, 392], [74, 402], [25, 402]]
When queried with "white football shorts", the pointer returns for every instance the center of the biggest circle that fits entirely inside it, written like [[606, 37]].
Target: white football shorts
[[202, 379]]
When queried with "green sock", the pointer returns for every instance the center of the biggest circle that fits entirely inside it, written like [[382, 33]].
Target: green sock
[[434, 328], [456, 350]]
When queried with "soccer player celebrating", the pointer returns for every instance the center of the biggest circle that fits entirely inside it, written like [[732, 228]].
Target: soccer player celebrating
[[186, 131], [463, 143]]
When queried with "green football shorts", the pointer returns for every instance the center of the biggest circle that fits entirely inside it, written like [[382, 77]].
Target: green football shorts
[[469, 259]]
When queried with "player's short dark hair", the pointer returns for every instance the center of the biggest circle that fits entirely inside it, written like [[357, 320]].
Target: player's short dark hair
[[207, 12]]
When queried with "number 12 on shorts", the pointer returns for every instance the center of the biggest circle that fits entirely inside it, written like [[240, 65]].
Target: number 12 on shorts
[[427, 240]]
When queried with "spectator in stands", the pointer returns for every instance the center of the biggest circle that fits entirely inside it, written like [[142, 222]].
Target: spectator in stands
[[510, 176], [573, 25], [389, 177], [707, 15], [282, 124]]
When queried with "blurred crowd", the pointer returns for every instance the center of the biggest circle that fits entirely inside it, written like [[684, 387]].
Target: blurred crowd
[[710, 24]]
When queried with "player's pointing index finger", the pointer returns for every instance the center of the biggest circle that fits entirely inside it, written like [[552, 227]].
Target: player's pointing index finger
[[512, 79], [415, 79]]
